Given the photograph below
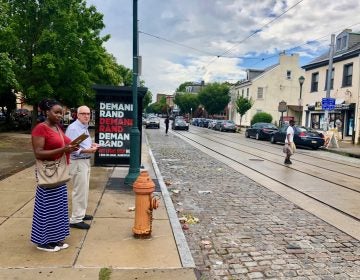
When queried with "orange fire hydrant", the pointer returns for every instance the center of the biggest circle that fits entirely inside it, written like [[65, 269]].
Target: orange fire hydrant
[[145, 202]]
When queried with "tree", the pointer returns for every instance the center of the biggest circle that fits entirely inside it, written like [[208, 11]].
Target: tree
[[147, 99], [261, 117], [243, 105], [214, 97], [58, 50], [182, 87], [187, 102]]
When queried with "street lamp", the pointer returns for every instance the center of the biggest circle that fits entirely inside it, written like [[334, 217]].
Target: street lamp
[[301, 82]]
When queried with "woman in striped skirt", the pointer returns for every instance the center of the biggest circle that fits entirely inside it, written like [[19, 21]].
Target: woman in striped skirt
[[50, 224]]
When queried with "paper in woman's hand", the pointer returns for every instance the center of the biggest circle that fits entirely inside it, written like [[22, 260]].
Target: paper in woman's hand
[[79, 139]]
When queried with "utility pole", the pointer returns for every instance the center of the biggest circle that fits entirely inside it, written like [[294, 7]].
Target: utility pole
[[328, 82], [134, 169]]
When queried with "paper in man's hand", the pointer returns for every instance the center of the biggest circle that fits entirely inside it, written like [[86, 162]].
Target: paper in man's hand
[[79, 139]]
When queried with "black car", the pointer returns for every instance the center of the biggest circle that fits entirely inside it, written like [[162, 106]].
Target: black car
[[303, 136], [260, 131], [180, 124]]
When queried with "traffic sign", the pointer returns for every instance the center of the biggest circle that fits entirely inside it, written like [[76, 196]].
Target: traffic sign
[[328, 104], [282, 106]]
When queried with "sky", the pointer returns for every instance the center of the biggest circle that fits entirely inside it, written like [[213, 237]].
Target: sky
[[217, 40]]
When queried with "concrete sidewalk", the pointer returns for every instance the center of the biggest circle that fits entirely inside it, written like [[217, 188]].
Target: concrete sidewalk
[[108, 247]]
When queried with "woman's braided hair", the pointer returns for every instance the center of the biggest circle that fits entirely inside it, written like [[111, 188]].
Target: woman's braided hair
[[47, 104]]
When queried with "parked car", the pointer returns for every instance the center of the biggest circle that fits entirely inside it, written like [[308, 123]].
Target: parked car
[[211, 124], [180, 124], [152, 122], [225, 125], [303, 136], [260, 131], [203, 122]]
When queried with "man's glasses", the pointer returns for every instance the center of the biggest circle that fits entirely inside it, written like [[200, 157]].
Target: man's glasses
[[87, 114]]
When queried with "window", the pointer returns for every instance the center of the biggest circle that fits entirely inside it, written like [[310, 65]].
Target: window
[[260, 93], [288, 74], [332, 79], [341, 43], [242, 93], [314, 81], [247, 93], [347, 75], [338, 44]]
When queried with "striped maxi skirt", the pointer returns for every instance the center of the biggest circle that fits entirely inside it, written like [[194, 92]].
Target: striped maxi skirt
[[51, 217]]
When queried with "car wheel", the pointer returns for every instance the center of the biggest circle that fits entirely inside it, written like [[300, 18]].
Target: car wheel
[[257, 136], [272, 139], [247, 134], [220, 129]]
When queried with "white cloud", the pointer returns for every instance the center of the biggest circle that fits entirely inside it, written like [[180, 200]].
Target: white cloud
[[215, 26]]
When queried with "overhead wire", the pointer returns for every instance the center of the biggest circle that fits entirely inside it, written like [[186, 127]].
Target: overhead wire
[[325, 37], [255, 32]]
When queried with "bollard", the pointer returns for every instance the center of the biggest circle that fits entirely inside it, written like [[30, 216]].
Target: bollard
[[145, 202]]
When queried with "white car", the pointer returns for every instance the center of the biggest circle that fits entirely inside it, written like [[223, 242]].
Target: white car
[[152, 122]]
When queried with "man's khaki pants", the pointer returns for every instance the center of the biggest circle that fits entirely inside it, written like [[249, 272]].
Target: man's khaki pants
[[80, 172]]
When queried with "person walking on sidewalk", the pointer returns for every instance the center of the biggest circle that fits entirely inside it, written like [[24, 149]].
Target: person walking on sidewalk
[[50, 225], [289, 147], [167, 120], [80, 168]]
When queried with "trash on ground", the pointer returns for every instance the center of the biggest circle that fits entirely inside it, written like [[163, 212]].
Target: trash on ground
[[204, 192], [179, 203], [168, 183], [185, 226], [175, 191], [190, 219], [132, 208], [205, 242]]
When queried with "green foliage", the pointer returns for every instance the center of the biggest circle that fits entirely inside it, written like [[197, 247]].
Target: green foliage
[[183, 86], [158, 107], [243, 105], [261, 117], [214, 97], [105, 273], [147, 99], [57, 49], [186, 101]]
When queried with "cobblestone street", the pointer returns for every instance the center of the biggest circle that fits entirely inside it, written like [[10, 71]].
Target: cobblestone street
[[246, 231]]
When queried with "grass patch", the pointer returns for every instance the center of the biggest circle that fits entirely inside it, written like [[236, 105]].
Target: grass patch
[[105, 273]]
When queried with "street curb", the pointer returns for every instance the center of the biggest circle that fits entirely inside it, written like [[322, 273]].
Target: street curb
[[343, 153], [181, 243]]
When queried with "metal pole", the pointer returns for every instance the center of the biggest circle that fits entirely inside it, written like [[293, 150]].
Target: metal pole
[[134, 169], [300, 105], [328, 82]]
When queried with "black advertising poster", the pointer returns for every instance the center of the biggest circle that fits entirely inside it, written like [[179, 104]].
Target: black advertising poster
[[113, 123]]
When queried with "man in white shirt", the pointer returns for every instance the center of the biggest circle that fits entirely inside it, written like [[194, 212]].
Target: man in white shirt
[[289, 142], [80, 168]]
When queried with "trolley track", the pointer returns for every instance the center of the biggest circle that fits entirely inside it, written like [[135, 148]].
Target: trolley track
[[338, 188], [352, 173]]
